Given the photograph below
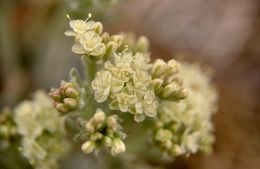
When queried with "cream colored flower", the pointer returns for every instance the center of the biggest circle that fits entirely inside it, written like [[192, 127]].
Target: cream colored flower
[[125, 101], [101, 85], [90, 43]]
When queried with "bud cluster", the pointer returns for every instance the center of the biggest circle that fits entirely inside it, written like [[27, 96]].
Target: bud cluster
[[66, 97], [165, 83], [103, 131]]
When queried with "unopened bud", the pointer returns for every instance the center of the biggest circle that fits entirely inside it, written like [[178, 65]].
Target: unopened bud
[[110, 48], [98, 28], [89, 126], [172, 67], [112, 122], [118, 146], [157, 84], [71, 92], [118, 39], [70, 103], [96, 136], [182, 93], [55, 94], [163, 135], [61, 108], [88, 147], [158, 68], [99, 118], [170, 89], [66, 85], [107, 141], [105, 37], [142, 44]]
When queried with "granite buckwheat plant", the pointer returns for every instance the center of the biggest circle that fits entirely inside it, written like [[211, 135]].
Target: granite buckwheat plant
[[121, 88]]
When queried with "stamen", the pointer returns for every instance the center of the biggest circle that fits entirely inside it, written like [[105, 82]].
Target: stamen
[[89, 16]]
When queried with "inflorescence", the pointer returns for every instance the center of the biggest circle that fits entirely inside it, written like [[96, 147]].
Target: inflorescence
[[177, 97]]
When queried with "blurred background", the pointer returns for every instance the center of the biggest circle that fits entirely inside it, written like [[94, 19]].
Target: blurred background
[[224, 34]]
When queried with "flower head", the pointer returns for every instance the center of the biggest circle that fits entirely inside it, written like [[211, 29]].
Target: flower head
[[188, 121], [127, 85]]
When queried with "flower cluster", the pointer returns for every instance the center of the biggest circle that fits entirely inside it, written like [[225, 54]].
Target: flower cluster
[[121, 78], [103, 131], [66, 98], [185, 127], [93, 43], [43, 140], [87, 37], [127, 84]]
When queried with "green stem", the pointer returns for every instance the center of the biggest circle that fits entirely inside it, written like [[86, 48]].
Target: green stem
[[91, 68], [90, 71]]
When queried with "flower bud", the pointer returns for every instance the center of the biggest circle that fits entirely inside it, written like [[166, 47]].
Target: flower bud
[[62, 108], [98, 28], [105, 37], [111, 48], [118, 39], [89, 126], [182, 93], [55, 94], [70, 103], [142, 44], [163, 135], [96, 136], [170, 89], [71, 92], [172, 67], [88, 147], [157, 84], [112, 122], [66, 85], [107, 141], [118, 146], [158, 68], [99, 118]]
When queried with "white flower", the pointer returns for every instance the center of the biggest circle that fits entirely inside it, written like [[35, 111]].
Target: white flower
[[101, 86]]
